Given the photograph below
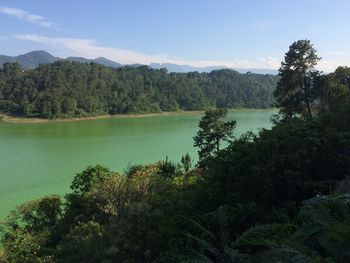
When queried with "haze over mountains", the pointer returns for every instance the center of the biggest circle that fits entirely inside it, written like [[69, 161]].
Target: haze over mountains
[[33, 59]]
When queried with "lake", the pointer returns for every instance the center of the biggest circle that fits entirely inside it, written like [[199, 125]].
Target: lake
[[42, 158]]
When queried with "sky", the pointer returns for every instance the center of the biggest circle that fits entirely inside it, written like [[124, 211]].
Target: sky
[[233, 33]]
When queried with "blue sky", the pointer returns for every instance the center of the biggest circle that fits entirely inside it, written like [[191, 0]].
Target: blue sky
[[233, 33]]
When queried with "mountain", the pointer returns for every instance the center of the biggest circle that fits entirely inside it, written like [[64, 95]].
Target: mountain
[[184, 68], [101, 60], [108, 63], [187, 68], [257, 70], [30, 60], [35, 58], [136, 65], [79, 59]]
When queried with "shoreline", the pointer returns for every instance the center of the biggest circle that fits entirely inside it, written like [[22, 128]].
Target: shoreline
[[15, 119]]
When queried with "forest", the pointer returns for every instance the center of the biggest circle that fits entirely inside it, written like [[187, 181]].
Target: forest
[[66, 89], [282, 195]]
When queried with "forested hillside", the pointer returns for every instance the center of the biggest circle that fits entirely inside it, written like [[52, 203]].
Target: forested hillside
[[70, 89]]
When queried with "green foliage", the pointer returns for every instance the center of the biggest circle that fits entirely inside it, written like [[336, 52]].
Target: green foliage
[[258, 179], [247, 205], [70, 89], [332, 89], [295, 90], [325, 225], [81, 244], [107, 218], [168, 168], [28, 229], [212, 131], [85, 180], [186, 162], [323, 235], [279, 168]]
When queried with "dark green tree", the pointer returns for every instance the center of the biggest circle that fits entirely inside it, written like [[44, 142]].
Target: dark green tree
[[333, 88], [295, 90], [212, 131]]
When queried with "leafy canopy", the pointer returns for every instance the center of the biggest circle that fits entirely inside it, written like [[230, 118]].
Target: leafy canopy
[[295, 90], [212, 131]]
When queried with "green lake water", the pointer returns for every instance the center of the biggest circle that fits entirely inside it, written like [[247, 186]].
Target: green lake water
[[42, 158]]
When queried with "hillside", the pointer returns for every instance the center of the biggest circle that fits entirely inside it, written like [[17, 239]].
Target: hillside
[[72, 89]]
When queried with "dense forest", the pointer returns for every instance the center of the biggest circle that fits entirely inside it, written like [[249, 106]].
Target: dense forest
[[70, 89], [282, 195]]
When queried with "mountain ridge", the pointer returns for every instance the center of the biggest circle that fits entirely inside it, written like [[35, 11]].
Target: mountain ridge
[[33, 59]]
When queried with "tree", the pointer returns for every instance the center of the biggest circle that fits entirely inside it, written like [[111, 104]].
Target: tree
[[69, 106], [321, 234], [85, 180], [295, 89], [212, 130], [186, 162], [26, 231], [333, 88]]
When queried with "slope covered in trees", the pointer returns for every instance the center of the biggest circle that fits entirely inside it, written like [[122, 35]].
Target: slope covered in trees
[[70, 89], [278, 196]]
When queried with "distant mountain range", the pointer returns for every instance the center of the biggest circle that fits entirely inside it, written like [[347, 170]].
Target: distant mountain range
[[187, 68], [33, 59], [30, 60], [101, 60]]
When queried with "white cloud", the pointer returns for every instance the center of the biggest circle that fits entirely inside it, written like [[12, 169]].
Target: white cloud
[[331, 59], [328, 66], [89, 48], [23, 15]]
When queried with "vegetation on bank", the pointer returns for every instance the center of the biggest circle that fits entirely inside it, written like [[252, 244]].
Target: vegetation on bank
[[66, 89], [17, 119], [278, 196]]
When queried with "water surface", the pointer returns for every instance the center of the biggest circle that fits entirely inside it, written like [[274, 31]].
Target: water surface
[[42, 158]]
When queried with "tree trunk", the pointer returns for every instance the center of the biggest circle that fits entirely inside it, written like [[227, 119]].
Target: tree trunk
[[306, 97], [217, 145], [308, 108]]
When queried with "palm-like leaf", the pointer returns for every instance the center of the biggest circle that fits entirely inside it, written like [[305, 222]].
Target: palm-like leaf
[[325, 220]]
